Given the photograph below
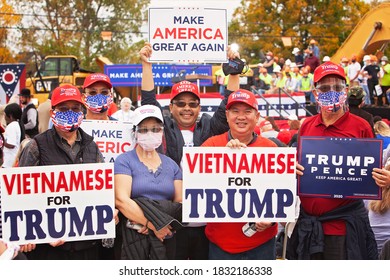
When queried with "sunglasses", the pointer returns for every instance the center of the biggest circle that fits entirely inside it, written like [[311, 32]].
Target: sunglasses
[[94, 91], [182, 104], [144, 130]]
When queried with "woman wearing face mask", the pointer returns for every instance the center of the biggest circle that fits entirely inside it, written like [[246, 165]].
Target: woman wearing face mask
[[148, 191]]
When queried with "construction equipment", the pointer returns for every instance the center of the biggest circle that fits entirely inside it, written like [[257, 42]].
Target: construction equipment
[[55, 70], [370, 36]]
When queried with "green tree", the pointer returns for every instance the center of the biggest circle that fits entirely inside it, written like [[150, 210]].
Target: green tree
[[75, 27], [259, 25], [8, 19]]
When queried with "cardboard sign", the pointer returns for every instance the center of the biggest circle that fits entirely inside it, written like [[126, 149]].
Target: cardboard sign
[[188, 34], [339, 167], [57, 202], [112, 137], [238, 185]]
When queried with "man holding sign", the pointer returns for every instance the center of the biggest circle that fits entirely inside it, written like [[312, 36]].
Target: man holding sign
[[65, 143], [227, 240], [332, 228], [184, 129]]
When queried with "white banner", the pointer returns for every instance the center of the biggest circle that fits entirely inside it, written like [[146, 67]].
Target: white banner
[[188, 34], [239, 185], [112, 137], [42, 204]]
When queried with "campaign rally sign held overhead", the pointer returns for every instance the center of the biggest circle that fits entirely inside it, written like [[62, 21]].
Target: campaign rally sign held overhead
[[254, 184], [57, 202], [339, 167], [188, 34]]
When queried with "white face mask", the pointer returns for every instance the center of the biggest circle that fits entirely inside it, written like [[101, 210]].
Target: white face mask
[[383, 62], [149, 141]]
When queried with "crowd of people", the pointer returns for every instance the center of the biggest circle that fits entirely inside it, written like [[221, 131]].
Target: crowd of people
[[148, 179]]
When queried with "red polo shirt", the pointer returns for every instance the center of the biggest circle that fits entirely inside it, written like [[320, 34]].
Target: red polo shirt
[[348, 126]]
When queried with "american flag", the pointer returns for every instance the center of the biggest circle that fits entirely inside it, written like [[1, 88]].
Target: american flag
[[12, 80]]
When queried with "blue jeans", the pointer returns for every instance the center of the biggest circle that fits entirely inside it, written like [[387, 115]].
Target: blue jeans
[[266, 251]]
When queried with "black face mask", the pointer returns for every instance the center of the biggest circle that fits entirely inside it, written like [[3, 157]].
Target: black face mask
[[234, 67]]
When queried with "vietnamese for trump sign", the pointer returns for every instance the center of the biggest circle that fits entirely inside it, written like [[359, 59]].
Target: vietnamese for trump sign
[[339, 167], [239, 185], [42, 204], [188, 34], [112, 137]]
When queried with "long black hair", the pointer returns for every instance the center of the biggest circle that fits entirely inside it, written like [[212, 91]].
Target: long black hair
[[13, 110]]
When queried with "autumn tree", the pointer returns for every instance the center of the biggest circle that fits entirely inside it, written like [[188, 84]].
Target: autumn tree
[[75, 27], [259, 25], [8, 20]]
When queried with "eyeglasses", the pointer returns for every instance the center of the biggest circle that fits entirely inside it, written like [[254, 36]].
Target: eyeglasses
[[182, 104], [95, 91], [144, 130], [326, 88], [75, 109]]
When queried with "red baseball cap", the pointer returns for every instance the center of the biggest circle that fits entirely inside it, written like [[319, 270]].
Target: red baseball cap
[[184, 86], [96, 77], [328, 68], [65, 93], [242, 96]]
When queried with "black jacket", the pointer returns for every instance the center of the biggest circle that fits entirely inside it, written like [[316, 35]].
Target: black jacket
[[136, 246], [308, 237], [206, 127], [34, 131]]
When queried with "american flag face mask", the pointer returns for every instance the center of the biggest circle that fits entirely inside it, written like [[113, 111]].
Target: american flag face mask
[[98, 103], [67, 121], [331, 101]]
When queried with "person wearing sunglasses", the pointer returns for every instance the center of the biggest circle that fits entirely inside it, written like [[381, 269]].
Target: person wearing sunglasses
[[184, 128], [97, 96], [338, 226], [64, 143], [141, 176]]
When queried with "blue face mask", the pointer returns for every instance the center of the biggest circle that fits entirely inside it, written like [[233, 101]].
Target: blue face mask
[[67, 121], [98, 103], [331, 101]]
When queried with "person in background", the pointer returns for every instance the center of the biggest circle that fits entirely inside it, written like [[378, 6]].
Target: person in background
[[373, 79], [305, 84], [313, 46], [64, 143], [311, 60], [379, 215], [222, 80], [353, 71], [97, 96], [385, 81], [186, 128], [30, 113], [323, 221], [125, 113], [382, 131], [145, 173], [13, 135], [298, 57], [227, 241], [356, 96], [44, 114]]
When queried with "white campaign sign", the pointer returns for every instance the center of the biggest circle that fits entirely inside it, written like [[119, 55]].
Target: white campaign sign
[[42, 204], [188, 34], [239, 185], [112, 137]]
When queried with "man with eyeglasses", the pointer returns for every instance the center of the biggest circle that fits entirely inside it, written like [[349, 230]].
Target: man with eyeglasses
[[184, 128], [64, 143], [329, 237], [97, 96]]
